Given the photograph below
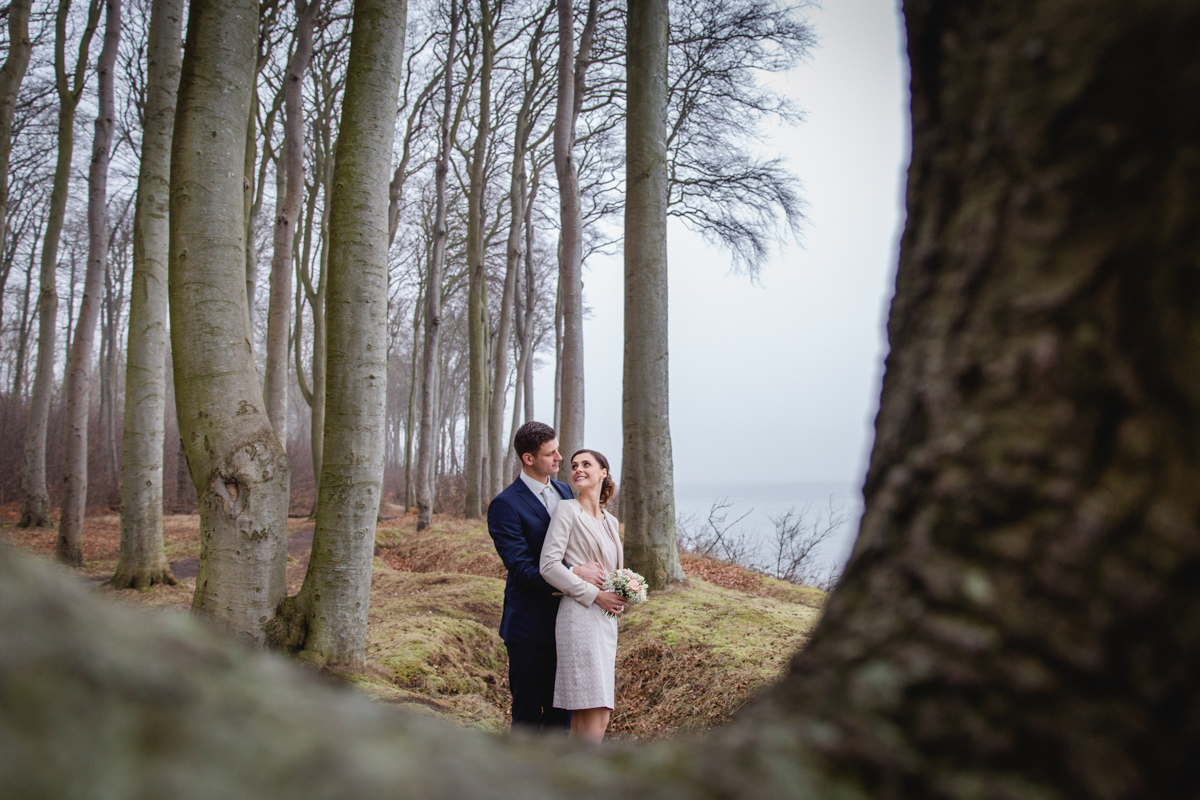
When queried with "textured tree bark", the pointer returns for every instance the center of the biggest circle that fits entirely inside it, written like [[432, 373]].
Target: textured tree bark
[[11, 76], [433, 296], [476, 467], [142, 561], [237, 464], [570, 246], [330, 612], [279, 306], [77, 389], [647, 480], [35, 501]]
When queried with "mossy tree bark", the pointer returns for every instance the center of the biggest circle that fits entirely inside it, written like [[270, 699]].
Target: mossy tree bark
[[35, 500], [1019, 616], [329, 616], [11, 76], [69, 547], [433, 292], [142, 561], [236, 462], [647, 480], [476, 465]]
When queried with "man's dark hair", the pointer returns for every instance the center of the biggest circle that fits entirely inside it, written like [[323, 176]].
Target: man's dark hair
[[531, 436]]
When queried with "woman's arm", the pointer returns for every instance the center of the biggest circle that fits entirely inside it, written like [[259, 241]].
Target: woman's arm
[[553, 550]]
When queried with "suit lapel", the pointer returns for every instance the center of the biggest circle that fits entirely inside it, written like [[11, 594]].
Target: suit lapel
[[534, 503]]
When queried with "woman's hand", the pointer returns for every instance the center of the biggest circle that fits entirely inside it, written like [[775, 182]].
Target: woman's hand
[[611, 602]]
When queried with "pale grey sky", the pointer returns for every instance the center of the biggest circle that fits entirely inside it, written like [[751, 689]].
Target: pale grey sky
[[779, 381]]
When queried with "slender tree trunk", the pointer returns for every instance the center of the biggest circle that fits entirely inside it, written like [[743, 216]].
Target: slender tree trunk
[[35, 501], [647, 480], [433, 296], [236, 462], [69, 548], [477, 395], [331, 610], [530, 301], [571, 74], [11, 76], [142, 560], [319, 347], [18, 381], [410, 489], [279, 324], [518, 189]]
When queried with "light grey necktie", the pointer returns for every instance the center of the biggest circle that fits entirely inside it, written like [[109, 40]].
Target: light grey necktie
[[546, 497]]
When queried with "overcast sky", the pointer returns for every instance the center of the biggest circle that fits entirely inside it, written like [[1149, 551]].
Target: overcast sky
[[779, 380]]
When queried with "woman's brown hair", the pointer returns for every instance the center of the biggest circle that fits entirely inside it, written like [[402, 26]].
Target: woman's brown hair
[[609, 487]]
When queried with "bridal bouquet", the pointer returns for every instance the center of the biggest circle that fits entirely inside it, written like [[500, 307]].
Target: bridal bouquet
[[628, 584]]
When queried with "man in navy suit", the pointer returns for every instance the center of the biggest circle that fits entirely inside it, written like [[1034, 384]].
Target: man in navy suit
[[517, 521]]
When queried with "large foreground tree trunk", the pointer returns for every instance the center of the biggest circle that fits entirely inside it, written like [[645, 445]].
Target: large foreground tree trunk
[[142, 561], [236, 462], [647, 480], [1019, 616], [329, 616], [35, 500], [78, 381]]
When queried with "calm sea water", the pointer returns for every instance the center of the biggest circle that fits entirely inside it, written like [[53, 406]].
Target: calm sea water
[[758, 503]]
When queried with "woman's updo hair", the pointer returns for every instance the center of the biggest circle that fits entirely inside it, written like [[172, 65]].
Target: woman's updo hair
[[609, 487]]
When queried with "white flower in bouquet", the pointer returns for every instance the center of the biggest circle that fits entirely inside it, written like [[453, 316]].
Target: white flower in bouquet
[[628, 584]]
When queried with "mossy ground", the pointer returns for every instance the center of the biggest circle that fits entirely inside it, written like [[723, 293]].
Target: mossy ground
[[687, 660]]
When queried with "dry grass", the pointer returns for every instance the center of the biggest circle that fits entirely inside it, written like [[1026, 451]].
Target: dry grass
[[687, 660]]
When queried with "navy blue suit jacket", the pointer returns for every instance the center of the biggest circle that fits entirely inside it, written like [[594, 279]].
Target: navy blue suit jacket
[[517, 522]]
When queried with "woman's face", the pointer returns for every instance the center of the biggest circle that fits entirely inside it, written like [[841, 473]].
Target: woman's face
[[586, 472]]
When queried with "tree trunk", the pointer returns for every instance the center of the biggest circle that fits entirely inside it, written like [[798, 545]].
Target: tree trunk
[[570, 275], [35, 501], [276, 377], [236, 462], [69, 548], [433, 297], [11, 76], [329, 616], [142, 560], [647, 480], [477, 394]]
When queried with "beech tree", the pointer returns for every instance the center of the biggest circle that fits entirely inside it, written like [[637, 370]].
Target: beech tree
[[647, 478], [237, 464], [142, 561], [290, 181], [433, 294], [572, 72], [11, 75], [35, 501], [329, 616], [69, 547], [1016, 619]]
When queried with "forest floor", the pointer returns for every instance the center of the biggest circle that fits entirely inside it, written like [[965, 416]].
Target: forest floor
[[686, 660]]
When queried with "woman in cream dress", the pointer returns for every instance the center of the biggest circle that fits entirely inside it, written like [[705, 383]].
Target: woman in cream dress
[[586, 638]]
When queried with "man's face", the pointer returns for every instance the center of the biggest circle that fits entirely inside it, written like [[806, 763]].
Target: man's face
[[545, 463]]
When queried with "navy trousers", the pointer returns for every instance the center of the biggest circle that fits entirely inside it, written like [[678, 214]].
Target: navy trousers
[[531, 670]]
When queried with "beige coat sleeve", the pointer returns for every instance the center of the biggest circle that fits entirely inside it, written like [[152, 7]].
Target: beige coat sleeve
[[553, 551]]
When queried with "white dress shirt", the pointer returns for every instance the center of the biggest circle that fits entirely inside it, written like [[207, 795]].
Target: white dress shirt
[[543, 491]]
